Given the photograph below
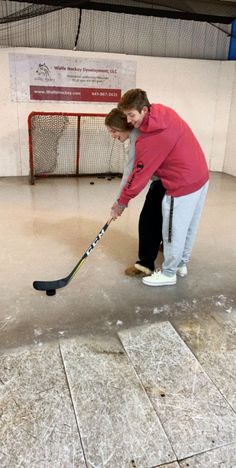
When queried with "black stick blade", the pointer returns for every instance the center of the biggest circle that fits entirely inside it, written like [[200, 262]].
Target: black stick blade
[[61, 283], [50, 285]]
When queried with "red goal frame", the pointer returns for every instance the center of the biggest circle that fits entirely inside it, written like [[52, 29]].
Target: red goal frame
[[63, 114]]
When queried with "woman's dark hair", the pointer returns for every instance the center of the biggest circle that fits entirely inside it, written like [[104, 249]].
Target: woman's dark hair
[[117, 119]]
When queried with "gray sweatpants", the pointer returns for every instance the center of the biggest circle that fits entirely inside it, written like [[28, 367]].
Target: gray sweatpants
[[186, 216]]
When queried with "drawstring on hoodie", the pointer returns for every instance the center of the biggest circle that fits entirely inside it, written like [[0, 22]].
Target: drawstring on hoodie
[[171, 218]]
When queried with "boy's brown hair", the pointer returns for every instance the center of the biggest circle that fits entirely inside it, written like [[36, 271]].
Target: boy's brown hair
[[117, 119], [134, 99]]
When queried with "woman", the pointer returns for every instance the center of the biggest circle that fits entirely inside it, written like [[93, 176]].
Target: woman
[[150, 219]]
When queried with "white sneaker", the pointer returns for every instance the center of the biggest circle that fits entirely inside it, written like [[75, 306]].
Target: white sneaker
[[159, 279], [182, 271]]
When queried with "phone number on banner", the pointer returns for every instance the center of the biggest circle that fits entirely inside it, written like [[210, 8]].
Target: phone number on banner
[[61, 93]]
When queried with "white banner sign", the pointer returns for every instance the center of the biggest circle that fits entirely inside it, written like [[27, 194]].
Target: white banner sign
[[53, 78]]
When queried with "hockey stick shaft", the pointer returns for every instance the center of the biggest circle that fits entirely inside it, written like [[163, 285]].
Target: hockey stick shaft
[[89, 249], [50, 285]]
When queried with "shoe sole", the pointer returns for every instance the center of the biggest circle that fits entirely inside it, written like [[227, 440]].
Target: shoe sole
[[182, 275], [163, 284], [137, 274]]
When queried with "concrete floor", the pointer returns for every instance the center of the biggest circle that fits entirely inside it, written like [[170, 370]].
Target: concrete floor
[[46, 228]]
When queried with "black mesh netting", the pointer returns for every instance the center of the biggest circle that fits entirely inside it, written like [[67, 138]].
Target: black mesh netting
[[69, 144], [189, 29], [192, 9], [144, 28]]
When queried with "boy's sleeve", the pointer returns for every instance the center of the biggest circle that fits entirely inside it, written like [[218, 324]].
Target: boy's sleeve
[[146, 164]]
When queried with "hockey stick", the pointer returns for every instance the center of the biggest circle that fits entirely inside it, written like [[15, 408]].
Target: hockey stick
[[51, 286]]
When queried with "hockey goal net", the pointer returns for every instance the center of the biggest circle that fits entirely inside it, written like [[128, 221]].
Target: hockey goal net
[[72, 144]]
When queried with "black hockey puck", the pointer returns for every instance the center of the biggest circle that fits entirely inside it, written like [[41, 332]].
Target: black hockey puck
[[109, 178], [91, 183], [51, 292]]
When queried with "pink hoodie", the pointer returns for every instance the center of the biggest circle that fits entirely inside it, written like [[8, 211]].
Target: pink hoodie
[[168, 149]]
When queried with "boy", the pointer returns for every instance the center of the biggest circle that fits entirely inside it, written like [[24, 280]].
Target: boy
[[168, 149], [150, 220]]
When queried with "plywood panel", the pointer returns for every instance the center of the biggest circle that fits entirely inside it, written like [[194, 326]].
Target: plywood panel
[[194, 414]]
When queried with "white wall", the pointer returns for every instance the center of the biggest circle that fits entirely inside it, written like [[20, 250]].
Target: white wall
[[199, 90], [230, 153]]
